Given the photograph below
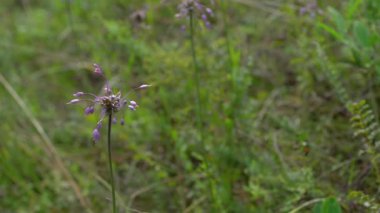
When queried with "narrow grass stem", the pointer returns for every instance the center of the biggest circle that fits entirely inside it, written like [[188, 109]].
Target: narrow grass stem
[[196, 78], [232, 69], [70, 13], [110, 163]]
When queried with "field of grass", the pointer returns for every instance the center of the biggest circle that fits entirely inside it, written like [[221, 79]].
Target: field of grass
[[274, 107]]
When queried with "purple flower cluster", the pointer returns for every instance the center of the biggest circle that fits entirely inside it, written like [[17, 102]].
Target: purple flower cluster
[[197, 9], [109, 102], [310, 8]]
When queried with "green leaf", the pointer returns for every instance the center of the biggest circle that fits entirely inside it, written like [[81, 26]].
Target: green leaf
[[329, 205], [338, 19], [330, 30], [362, 34], [318, 207], [352, 8]]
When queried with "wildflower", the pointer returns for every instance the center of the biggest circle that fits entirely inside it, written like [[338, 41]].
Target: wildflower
[[98, 70], [109, 102], [310, 8], [197, 9]]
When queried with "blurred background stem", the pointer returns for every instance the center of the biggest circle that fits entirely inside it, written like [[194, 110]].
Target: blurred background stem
[[231, 110], [196, 78]]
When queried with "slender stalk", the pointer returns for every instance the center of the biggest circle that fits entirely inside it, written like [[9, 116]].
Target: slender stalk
[[232, 68], [110, 162], [196, 77], [70, 14]]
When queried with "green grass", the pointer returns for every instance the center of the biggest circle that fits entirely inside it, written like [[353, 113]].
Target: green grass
[[277, 91]]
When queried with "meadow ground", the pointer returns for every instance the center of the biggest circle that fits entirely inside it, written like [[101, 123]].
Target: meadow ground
[[255, 106]]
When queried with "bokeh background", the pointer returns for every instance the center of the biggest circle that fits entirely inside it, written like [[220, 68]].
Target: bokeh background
[[289, 92]]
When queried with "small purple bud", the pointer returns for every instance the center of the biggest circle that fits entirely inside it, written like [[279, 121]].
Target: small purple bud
[[73, 101], [208, 24], [78, 94], [114, 120], [98, 70], [133, 108], [122, 122], [96, 134], [209, 11], [89, 110], [144, 86], [133, 103], [204, 17]]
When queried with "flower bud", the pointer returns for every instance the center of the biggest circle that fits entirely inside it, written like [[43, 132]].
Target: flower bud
[[78, 94], [96, 134], [73, 101], [89, 110]]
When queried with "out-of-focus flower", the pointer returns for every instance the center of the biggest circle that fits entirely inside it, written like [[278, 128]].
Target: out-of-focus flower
[[98, 70], [132, 105], [197, 9], [109, 102], [310, 8]]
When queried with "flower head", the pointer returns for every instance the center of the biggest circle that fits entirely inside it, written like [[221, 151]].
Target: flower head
[[109, 102], [197, 9], [310, 8]]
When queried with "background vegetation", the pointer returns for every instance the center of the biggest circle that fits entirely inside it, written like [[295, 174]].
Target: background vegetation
[[289, 93]]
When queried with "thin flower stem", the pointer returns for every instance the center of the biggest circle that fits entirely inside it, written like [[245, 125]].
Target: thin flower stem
[[232, 68], [196, 77], [110, 162]]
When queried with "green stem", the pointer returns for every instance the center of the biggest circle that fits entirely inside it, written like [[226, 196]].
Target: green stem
[[110, 162], [232, 69], [196, 77], [70, 13]]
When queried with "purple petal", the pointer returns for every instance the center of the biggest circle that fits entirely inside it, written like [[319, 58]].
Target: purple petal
[[73, 101], [133, 103], [96, 134], [209, 11], [204, 17], [89, 110], [78, 94], [144, 86], [133, 108], [122, 122], [114, 120]]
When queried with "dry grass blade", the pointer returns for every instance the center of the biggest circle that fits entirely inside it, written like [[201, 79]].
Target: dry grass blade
[[49, 147]]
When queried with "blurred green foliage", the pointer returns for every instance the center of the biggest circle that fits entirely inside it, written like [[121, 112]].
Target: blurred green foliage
[[283, 84]]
